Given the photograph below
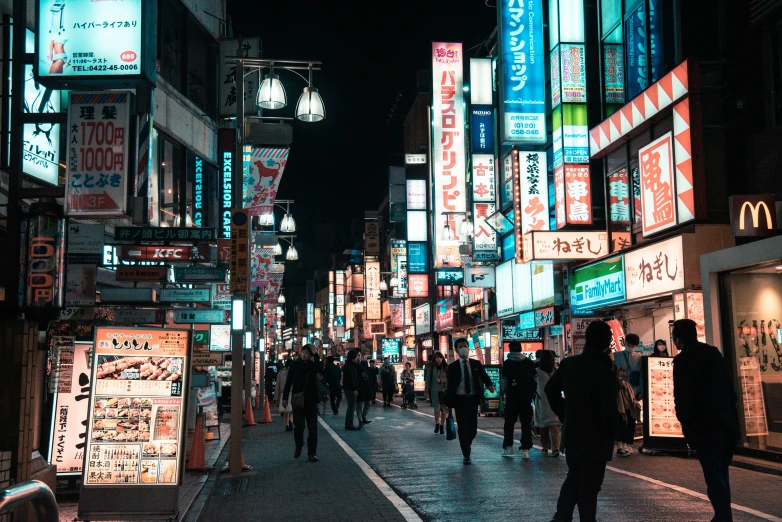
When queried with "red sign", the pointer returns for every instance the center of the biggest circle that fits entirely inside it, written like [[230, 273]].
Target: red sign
[[93, 202], [418, 285], [559, 194], [142, 273], [578, 195], [545, 317], [658, 204], [164, 253]]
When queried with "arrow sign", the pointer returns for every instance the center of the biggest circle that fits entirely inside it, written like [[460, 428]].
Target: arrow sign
[[164, 253]]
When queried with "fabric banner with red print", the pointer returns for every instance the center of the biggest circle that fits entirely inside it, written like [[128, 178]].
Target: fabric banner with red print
[[260, 264], [618, 335], [263, 168]]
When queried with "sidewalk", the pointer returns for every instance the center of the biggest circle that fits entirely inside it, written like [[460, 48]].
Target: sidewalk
[[281, 488]]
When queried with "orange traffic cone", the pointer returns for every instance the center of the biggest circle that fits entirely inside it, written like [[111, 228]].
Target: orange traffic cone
[[267, 412], [195, 459], [249, 418]]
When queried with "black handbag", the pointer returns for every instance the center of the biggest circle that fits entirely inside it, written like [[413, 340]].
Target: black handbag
[[297, 399], [450, 428]]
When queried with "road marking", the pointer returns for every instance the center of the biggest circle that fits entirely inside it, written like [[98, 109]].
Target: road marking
[[737, 507], [403, 507]]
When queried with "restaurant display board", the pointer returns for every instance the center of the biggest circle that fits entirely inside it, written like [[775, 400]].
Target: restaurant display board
[[752, 397], [136, 424], [662, 430], [491, 400], [70, 405]]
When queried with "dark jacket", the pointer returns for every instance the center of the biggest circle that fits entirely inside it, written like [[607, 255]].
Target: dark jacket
[[373, 373], [518, 379], [350, 376], [364, 393], [332, 375], [300, 375], [479, 378], [588, 412], [388, 375], [704, 396]]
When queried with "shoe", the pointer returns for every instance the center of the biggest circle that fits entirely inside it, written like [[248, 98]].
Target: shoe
[[507, 452], [554, 454], [622, 453], [629, 449], [525, 454], [351, 428], [312, 458], [367, 421], [297, 452], [288, 428], [545, 451], [466, 461], [442, 430], [437, 428]]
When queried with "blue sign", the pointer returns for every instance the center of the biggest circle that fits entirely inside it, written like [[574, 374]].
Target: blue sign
[[506, 194], [481, 129], [391, 347], [339, 320], [598, 285], [523, 94], [635, 53], [449, 276], [198, 192], [656, 58], [417, 258], [508, 247], [527, 320]]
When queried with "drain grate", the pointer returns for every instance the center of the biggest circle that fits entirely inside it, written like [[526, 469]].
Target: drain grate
[[232, 487]]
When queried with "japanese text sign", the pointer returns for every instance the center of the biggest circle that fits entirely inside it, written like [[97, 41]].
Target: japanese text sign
[[559, 196], [444, 310], [482, 129], [573, 76], [558, 245], [658, 205], [240, 252], [418, 285], [545, 317], [90, 39], [523, 94], [619, 197], [613, 72], [246, 48], [578, 195], [534, 191], [372, 278], [97, 154], [656, 269], [448, 147]]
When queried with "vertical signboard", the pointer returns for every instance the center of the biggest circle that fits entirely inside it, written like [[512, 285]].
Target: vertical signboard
[[226, 150], [418, 285], [613, 71], [657, 189], [97, 154], [448, 148], [45, 257], [661, 411], [534, 191], [247, 48], [240, 252], [578, 195], [372, 278], [136, 424], [559, 196], [504, 277], [263, 176], [484, 196], [416, 194], [523, 93], [635, 52], [68, 434], [573, 78], [40, 141]]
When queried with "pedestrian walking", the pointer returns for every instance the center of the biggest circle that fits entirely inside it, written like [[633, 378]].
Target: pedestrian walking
[[465, 381], [629, 413], [435, 386], [333, 374], [364, 394], [388, 380], [545, 419], [284, 406], [350, 383], [588, 413], [323, 394], [660, 349], [374, 372], [301, 390], [630, 361], [705, 402], [518, 387]]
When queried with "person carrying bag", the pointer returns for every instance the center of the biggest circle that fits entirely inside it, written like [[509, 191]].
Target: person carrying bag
[[450, 427]]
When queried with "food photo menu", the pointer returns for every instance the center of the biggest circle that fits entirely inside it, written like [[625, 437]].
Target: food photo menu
[[662, 412], [137, 407]]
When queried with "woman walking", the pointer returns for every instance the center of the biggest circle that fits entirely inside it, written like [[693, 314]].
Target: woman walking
[[285, 408], [436, 380], [301, 390], [545, 418], [350, 383]]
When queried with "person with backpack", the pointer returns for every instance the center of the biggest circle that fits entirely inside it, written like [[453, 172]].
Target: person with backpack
[[388, 380], [518, 386], [628, 364]]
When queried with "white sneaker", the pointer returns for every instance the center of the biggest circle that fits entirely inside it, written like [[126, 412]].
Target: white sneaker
[[525, 454], [507, 452], [629, 449]]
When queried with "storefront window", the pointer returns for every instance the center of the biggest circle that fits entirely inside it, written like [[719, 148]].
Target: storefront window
[[754, 309], [171, 170]]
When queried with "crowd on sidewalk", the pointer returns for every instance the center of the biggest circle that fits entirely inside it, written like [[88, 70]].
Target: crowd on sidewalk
[[584, 408]]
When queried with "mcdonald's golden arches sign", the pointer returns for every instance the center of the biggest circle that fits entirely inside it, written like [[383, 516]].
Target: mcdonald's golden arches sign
[[753, 216]]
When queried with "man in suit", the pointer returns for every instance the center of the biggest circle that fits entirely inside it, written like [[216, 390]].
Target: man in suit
[[466, 378]]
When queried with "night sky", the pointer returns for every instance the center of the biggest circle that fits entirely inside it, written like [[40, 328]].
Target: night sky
[[370, 52]]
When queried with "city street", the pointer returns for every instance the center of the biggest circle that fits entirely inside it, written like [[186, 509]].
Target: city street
[[397, 463]]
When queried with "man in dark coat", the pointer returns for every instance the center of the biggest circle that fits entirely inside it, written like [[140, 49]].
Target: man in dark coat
[[589, 415], [706, 406], [302, 377], [518, 386], [351, 382], [373, 374], [466, 378], [364, 394], [332, 375]]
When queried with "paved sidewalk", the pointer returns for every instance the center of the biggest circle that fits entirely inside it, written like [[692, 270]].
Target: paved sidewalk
[[281, 488]]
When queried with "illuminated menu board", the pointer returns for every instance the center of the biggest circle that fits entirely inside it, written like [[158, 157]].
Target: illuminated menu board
[[136, 419], [662, 412]]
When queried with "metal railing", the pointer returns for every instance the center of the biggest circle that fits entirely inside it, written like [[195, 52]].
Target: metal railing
[[35, 492]]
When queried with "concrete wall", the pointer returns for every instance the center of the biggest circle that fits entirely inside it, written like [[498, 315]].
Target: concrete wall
[[179, 117], [200, 8]]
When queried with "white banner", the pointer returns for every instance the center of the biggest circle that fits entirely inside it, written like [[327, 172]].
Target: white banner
[[533, 185], [374, 309], [479, 276], [656, 269]]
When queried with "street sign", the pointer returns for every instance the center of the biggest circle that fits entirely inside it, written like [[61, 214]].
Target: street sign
[[164, 234], [164, 253], [207, 359], [203, 316], [85, 243], [127, 295], [139, 316], [185, 295], [201, 337], [221, 296], [199, 273], [240, 252], [142, 273]]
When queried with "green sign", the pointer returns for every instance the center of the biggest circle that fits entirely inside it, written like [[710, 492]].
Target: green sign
[[198, 273], [598, 284], [201, 337], [205, 316]]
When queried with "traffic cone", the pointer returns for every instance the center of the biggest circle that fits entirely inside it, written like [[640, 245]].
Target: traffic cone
[[249, 418], [195, 459], [267, 412]]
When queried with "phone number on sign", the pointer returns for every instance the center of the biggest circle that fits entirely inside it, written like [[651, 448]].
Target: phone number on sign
[[98, 68]]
